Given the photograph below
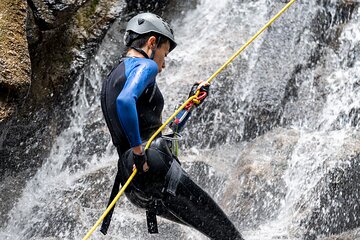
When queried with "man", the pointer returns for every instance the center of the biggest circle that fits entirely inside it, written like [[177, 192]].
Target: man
[[132, 105]]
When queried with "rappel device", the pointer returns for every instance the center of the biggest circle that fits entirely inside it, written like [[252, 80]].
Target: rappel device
[[178, 122]]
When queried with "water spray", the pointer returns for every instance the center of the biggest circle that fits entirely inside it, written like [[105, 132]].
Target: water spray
[[190, 99]]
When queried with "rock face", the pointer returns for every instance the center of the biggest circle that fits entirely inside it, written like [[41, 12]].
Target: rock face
[[332, 207], [61, 37], [14, 56], [338, 206], [273, 107], [313, 171], [257, 185], [58, 37]]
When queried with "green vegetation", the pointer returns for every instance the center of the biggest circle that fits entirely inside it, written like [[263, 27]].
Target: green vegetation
[[84, 16]]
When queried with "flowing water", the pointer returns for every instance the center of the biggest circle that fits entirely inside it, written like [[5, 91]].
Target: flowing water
[[279, 119]]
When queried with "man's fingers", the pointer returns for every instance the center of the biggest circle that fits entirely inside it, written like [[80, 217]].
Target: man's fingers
[[202, 84], [145, 167]]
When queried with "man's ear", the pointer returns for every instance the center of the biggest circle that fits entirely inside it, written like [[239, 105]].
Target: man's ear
[[152, 42]]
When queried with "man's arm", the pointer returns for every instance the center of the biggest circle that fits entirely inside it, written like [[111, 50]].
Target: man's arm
[[139, 78]]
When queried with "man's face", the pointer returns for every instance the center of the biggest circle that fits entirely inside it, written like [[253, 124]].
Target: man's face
[[161, 54]]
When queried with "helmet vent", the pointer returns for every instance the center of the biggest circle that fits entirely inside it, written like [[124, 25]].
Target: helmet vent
[[141, 21]]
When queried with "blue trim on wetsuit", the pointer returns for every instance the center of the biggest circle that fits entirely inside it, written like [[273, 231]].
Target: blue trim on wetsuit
[[140, 74]]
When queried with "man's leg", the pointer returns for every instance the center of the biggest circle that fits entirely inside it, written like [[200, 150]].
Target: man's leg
[[196, 208]]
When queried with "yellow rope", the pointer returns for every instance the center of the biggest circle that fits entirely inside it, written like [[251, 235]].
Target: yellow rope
[[170, 118], [192, 98], [112, 204]]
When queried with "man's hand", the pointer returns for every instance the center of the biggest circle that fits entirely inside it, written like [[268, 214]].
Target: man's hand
[[140, 163], [140, 160], [203, 87]]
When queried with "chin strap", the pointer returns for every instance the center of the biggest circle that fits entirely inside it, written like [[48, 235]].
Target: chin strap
[[154, 51], [141, 51]]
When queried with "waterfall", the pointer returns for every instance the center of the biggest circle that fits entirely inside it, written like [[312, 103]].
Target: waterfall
[[279, 129]]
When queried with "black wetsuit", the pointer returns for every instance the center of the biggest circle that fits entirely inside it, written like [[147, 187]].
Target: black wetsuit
[[166, 190]]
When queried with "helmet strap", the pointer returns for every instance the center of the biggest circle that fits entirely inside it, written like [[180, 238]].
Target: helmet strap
[[154, 51], [141, 51]]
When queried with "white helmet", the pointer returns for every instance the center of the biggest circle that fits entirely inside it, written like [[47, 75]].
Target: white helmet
[[146, 23]]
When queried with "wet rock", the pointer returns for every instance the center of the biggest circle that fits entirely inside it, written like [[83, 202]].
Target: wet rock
[[280, 97], [14, 56], [52, 14], [62, 45], [6, 110], [332, 207], [348, 235], [256, 188], [135, 6], [179, 8], [161, 7], [61, 37], [327, 25], [205, 176], [337, 202], [58, 50]]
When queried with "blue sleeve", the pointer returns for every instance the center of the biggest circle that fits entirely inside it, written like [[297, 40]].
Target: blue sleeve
[[140, 74]]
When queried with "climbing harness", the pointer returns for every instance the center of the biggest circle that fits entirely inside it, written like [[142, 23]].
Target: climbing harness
[[195, 99]]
